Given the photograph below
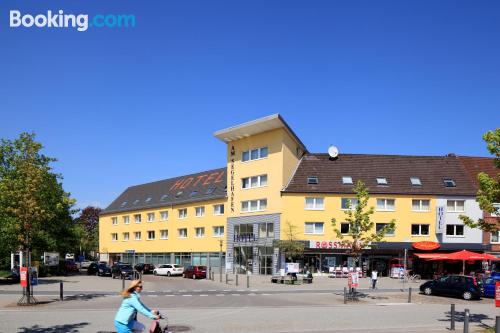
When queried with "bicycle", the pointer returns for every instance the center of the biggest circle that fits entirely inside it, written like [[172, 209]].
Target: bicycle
[[155, 327], [412, 277]]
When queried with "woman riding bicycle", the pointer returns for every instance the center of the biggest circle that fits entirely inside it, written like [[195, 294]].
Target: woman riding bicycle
[[126, 316]]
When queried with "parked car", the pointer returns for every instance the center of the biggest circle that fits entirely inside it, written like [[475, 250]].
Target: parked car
[[144, 268], [71, 267], [195, 272], [489, 285], [99, 269], [463, 286], [85, 264], [168, 270], [122, 270]]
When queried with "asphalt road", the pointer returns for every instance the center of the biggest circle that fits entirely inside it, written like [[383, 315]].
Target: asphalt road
[[206, 306]]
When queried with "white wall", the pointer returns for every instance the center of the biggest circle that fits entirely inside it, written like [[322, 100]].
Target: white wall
[[472, 210]]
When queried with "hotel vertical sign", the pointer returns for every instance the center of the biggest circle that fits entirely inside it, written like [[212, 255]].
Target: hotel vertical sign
[[231, 187], [440, 219]]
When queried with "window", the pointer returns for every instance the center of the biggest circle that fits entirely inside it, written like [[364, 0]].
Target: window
[[218, 231], [211, 190], [164, 234], [381, 181], [454, 206], [148, 200], [449, 183], [454, 230], [183, 213], [347, 180], [151, 234], [345, 203], [254, 205], [137, 218], [314, 228], [137, 235], [313, 180], [218, 209], [415, 181], [125, 236], [266, 230], [114, 237], [495, 237], [200, 232], [178, 194], [315, 203], [419, 229], [193, 194], [136, 202], [386, 204], [164, 215], [199, 211], [380, 226], [114, 221], [183, 233], [254, 154], [418, 205], [344, 228], [496, 213], [151, 217], [126, 219], [164, 197], [124, 204], [252, 182]]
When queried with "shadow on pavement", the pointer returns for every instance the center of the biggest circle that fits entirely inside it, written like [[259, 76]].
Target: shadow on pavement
[[70, 328], [83, 297], [473, 318]]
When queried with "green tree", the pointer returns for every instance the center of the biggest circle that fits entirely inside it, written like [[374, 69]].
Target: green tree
[[35, 211], [290, 246], [88, 229], [362, 231], [489, 187]]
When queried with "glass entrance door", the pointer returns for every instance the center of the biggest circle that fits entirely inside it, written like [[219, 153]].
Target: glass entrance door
[[266, 260]]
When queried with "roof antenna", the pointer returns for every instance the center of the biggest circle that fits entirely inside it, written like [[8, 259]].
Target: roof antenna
[[333, 152]]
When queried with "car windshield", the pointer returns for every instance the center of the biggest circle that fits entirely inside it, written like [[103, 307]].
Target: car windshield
[[202, 267], [103, 266], [126, 266], [177, 266]]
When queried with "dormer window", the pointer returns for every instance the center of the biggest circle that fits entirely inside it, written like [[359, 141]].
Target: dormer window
[[136, 202], [415, 181], [449, 183], [124, 204], [381, 181], [178, 194], [211, 190], [164, 197], [347, 180], [148, 200], [193, 194], [313, 180]]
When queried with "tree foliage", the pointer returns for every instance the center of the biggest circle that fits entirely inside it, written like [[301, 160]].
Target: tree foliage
[[489, 187], [290, 246], [88, 228], [35, 211], [361, 229]]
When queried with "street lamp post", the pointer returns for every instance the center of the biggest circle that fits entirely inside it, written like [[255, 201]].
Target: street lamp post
[[220, 259]]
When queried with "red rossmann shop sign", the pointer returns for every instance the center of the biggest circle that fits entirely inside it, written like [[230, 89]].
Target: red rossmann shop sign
[[327, 245]]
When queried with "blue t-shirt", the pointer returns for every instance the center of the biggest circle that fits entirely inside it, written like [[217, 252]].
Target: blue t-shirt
[[129, 308]]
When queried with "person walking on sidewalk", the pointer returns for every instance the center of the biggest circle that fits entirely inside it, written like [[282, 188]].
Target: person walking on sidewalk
[[374, 278]]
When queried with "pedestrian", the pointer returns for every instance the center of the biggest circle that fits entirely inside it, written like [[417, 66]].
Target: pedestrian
[[374, 278], [125, 318]]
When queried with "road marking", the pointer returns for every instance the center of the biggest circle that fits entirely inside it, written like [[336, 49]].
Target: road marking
[[220, 295], [203, 295], [187, 295], [254, 290], [235, 294], [266, 294], [182, 291], [397, 304], [152, 295], [170, 295], [252, 294], [241, 290], [211, 290], [226, 290], [197, 290]]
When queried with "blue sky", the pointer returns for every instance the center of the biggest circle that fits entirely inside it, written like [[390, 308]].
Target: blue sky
[[120, 107]]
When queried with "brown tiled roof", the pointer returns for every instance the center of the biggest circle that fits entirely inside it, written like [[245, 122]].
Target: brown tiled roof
[[207, 185], [474, 165], [397, 169]]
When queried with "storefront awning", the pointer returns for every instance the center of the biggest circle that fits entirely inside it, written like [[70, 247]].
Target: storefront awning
[[431, 256]]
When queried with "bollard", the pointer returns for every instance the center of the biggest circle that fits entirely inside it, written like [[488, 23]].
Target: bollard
[[226, 278], [213, 276], [123, 282], [345, 295], [409, 295], [497, 324], [452, 325], [220, 276], [466, 321], [248, 281], [61, 293], [236, 279]]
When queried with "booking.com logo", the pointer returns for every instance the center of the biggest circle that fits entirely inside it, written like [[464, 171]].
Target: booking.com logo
[[61, 20]]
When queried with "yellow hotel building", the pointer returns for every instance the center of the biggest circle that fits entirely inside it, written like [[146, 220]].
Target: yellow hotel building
[[234, 215]]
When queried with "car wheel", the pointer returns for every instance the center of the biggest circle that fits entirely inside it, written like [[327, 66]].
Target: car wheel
[[113, 276], [155, 273], [194, 277], [428, 291], [183, 275], [168, 273], [467, 295]]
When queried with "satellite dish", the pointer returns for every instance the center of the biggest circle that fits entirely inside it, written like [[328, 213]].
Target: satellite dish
[[333, 151]]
